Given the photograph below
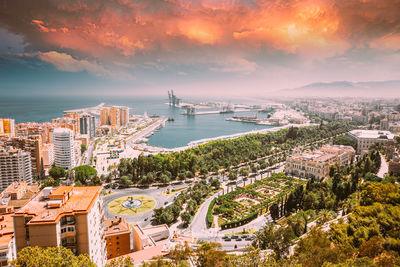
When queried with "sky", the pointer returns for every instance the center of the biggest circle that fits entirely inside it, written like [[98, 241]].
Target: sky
[[204, 47]]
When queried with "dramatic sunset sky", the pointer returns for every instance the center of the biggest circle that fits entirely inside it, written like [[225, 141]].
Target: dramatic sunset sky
[[195, 47]]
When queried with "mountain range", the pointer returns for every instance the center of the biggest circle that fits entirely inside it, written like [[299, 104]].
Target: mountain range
[[373, 89]]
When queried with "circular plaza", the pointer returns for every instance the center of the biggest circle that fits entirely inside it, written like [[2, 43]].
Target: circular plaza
[[131, 205]]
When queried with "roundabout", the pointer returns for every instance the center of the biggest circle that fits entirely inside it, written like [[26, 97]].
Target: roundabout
[[131, 205]]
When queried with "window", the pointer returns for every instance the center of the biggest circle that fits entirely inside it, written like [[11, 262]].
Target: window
[[117, 243], [117, 237]]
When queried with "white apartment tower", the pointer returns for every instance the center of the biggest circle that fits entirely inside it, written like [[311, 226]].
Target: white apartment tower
[[15, 165], [63, 140]]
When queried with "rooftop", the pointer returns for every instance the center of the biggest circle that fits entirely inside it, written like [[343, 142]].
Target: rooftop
[[374, 134], [116, 226], [79, 201]]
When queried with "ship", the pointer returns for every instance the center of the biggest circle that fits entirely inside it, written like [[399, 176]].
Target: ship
[[170, 119], [226, 109]]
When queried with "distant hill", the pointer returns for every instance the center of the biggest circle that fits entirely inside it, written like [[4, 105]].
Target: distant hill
[[382, 89]]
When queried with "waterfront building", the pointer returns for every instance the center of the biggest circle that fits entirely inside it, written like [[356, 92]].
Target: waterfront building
[[316, 164], [7, 127], [15, 165], [64, 154], [115, 119], [88, 125], [105, 116], [114, 116], [366, 138], [124, 115], [64, 216], [118, 237], [33, 145]]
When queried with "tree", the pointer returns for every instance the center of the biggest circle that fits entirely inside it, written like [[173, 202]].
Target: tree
[[83, 148], [51, 256], [180, 253], [49, 182], [208, 255], [84, 173], [316, 249], [232, 176], [215, 183], [185, 216], [274, 210], [277, 239], [121, 262], [57, 172]]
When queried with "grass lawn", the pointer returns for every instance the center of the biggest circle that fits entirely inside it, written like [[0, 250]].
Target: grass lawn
[[116, 207], [246, 232]]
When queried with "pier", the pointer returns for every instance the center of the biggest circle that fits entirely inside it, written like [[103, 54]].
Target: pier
[[94, 110]]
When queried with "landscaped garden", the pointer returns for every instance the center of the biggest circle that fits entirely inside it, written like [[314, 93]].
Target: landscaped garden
[[246, 203], [131, 205]]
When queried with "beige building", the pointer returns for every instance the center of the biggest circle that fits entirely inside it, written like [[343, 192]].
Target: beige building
[[114, 116], [317, 163], [7, 127], [144, 238], [366, 138], [64, 216]]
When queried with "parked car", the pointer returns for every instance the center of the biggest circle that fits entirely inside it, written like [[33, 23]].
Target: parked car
[[228, 239], [238, 239], [245, 236], [234, 236]]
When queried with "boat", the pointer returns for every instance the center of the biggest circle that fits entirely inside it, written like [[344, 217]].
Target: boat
[[170, 119]]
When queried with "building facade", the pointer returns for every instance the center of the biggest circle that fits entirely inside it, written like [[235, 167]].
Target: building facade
[[7, 127], [64, 216], [114, 116], [15, 165], [33, 145], [118, 237], [316, 164], [88, 125], [366, 138], [64, 154]]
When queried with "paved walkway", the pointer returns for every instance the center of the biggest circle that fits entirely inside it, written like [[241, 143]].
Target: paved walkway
[[384, 168]]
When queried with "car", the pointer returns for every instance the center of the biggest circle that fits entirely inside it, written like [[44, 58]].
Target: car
[[238, 239], [225, 237], [244, 236], [249, 238], [228, 239], [234, 237]]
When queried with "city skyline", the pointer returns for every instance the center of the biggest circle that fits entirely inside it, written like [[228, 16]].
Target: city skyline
[[147, 47]]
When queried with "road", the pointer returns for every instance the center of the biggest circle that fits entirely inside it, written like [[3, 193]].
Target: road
[[383, 169]]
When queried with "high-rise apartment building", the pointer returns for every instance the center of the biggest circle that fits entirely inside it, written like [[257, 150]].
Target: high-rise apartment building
[[114, 116], [64, 155], [115, 120], [88, 125], [124, 115], [64, 216], [48, 156], [15, 165], [7, 127], [33, 145], [105, 116]]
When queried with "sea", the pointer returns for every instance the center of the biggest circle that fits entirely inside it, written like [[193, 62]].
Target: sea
[[177, 133]]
